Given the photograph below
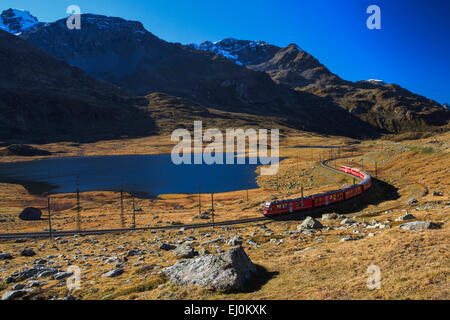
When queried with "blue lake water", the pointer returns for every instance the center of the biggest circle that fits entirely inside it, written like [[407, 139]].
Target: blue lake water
[[147, 175]]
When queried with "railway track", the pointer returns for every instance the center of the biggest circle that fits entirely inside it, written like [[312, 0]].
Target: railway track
[[47, 234]]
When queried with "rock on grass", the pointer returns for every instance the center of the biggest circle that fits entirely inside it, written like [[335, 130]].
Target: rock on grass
[[113, 273], [420, 226], [310, 223], [228, 272]]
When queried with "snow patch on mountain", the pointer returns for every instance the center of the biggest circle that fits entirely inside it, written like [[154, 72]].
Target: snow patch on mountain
[[16, 21], [229, 48]]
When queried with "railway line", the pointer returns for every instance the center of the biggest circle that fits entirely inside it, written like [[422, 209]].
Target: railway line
[[48, 234]]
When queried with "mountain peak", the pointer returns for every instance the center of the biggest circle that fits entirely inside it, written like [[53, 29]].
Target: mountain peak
[[16, 21], [242, 52]]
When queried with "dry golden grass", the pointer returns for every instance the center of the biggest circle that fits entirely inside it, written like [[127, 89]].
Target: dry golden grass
[[414, 265]]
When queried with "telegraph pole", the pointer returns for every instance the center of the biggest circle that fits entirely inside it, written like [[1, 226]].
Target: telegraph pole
[[212, 209], [122, 217], [376, 169], [78, 205], [199, 200], [50, 220], [134, 213], [246, 183]]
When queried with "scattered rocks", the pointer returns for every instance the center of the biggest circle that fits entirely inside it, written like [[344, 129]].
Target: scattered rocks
[[113, 273], [37, 271], [27, 253], [134, 253], [348, 221], [310, 223], [406, 217], [438, 194], [62, 275], [184, 251], [30, 214], [329, 216], [167, 247], [5, 256], [235, 241], [420, 226], [412, 201], [230, 271], [18, 286], [15, 294]]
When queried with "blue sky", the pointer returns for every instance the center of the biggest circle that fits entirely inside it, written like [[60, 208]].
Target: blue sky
[[412, 48]]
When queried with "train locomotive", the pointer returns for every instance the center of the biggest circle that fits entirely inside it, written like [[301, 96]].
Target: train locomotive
[[278, 208]]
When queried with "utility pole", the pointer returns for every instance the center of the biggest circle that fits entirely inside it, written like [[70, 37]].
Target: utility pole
[[302, 192], [376, 169], [78, 205], [246, 184], [199, 200], [278, 184], [49, 219], [362, 164], [212, 209], [122, 217], [134, 213]]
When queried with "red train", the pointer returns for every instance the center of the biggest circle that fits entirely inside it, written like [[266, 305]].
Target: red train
[[300, 204]]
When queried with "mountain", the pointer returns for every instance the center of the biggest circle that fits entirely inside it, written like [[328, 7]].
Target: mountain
[[291, 66], [242, 52], [43, 99], [124, 53], [388, 107], [236, 76], [16, 21]]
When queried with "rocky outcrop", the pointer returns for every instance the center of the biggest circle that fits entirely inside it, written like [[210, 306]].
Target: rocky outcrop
[[405, 217], [30, 214], [23, 150], [420, 226], [230, 271], [310, 223], [184, 251]]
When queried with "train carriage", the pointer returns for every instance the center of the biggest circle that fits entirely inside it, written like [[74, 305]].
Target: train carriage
[[320, 200]]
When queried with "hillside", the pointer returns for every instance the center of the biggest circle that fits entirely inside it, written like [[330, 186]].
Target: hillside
[[44, 99], [242, 77]]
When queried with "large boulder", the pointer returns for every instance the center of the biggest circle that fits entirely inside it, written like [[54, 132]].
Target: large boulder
[[310, 223], [420, 226], [230, 271], [5, 256], [184, 251], [405, 217], [30, 214]]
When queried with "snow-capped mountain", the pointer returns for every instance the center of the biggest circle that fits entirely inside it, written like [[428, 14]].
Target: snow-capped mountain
[[288, 82], [16, 21], [242, 52]]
